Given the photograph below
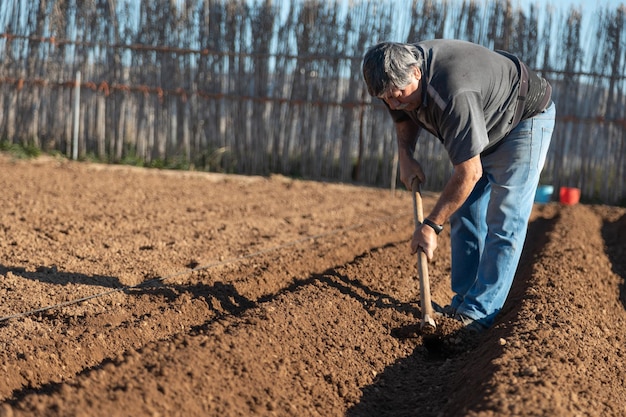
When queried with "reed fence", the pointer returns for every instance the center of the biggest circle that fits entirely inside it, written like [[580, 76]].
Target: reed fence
[[260, 87]]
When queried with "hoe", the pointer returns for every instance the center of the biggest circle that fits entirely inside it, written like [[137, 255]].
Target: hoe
[[428, 325]]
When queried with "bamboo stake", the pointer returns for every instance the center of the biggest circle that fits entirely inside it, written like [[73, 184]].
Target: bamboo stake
[[76, 119]]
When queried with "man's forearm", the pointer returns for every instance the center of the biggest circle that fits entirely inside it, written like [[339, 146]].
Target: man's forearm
[[457, 189], [407, 138]]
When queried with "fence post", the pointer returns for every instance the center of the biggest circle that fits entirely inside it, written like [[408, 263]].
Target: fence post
[[76, 116]]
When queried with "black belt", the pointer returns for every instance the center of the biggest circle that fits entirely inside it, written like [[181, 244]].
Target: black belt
[[530, 107], [547, 98], [521, 97]]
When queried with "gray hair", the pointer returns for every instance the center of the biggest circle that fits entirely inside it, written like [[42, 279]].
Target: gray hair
[[389, 65]]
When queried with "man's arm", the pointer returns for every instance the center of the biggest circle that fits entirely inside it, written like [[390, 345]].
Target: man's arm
[[457, 189], [459, 186], [461, 183], [407, 132], [464, 177]]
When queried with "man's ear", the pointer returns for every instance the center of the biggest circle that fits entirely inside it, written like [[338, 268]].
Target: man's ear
[[417, 72]]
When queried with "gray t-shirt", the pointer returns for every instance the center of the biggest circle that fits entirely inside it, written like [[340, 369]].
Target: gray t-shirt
[[469, 96]]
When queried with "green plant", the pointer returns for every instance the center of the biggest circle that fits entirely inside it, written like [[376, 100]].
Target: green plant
[[20, 151]]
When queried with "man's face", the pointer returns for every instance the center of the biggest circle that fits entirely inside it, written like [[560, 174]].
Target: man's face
[[407, 98]]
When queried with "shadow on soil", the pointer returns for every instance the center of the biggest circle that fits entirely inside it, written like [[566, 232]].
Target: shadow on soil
[[52, 275], [613, 234], [229, 300], [426, 385], [227, 297], [420, 384]]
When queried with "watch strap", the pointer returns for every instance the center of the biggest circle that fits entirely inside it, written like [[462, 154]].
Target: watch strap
[[438, 228]]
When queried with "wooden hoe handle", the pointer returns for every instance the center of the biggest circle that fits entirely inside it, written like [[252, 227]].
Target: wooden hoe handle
[[422, 261]]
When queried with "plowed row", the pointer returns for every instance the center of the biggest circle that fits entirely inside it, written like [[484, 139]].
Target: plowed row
[[132, 292]]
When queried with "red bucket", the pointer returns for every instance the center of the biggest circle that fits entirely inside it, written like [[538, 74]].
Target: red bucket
[[569, 195]]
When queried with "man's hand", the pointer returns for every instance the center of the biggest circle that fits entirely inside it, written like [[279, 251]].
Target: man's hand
[[410, 171], [459, 186], [424, 239]]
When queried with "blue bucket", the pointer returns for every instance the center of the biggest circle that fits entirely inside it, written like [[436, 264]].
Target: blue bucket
[[544, 194]]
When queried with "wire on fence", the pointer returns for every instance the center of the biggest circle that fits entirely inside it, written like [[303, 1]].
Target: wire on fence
[[106, 89], [206, 51]]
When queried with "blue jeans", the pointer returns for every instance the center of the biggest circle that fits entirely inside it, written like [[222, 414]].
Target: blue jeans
[[489, 230]]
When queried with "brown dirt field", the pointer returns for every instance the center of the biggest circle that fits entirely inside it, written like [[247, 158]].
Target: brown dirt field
[[134, 292]]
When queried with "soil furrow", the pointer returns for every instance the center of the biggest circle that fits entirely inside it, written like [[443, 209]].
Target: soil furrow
[[281, 323], [564, 351]]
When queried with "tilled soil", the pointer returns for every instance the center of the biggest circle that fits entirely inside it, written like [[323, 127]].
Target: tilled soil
[[134, 292]]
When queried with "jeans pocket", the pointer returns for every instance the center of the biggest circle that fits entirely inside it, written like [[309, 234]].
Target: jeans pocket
[[544, 144]]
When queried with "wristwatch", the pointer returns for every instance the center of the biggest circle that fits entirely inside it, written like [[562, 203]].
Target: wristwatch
[[438, 228]]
